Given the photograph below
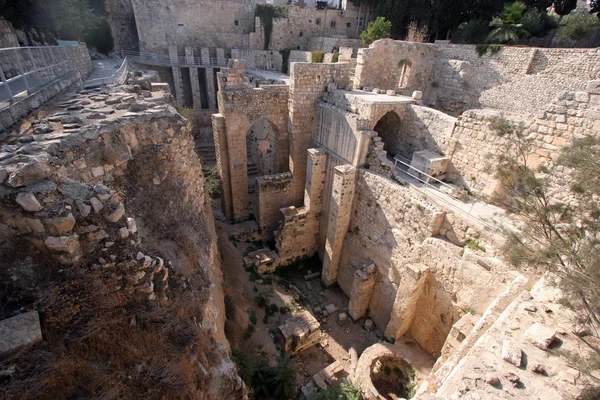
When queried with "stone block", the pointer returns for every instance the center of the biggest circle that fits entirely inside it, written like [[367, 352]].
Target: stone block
[[19, 331], [511, 353], [540, 336], [29, 202]]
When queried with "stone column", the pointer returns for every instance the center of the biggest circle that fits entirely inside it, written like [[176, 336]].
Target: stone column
[[362, 288], [236, 143], [189, 56], [221, 57], [205, 55], [177, 80], [315, 180], [340, 209], [210, 88], [222, 155]]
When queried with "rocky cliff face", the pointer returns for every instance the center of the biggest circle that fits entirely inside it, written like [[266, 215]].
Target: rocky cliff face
[[107, 232]]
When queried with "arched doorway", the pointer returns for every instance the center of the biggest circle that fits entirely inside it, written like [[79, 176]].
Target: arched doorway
[[388, 129], [262, 153]]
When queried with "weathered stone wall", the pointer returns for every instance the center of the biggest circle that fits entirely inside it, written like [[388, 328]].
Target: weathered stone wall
[[388, 222], [121, 20], [328, 44], [8, 36], [537, 75], [380, 66], [301, 24], [425, 128], [241, 105], [308, 83], [450, 89], [192, 23], [261, 59], [88, 191]]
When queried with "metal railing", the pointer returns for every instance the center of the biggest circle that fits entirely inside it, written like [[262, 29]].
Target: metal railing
[[117, 78], [425, 179], [26, 72], [165, 60]]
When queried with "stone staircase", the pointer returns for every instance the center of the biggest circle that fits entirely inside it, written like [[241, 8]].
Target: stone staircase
[[206, 151]]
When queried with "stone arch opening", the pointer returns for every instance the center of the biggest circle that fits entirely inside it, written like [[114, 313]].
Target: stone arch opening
[[262, 148], [388, 129], [405, 69]]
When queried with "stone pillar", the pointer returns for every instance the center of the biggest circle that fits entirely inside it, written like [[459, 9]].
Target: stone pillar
[[221, 57], [210, 88], [222, 155], [340, 209], [189, 56], [236, 145], [362, 288], [205, 55], [315, 180], [177, 80]]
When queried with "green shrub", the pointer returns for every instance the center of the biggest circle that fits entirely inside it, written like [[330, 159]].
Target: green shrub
[[336, 57], [475, 245], [474, 31], [212, 182], [579, 26], [317, 56], [262, 298], [378, 29], [243, 361], [230, 308], [252, 317], [538, 23], [249, 331], [346, 390], [278, 382]]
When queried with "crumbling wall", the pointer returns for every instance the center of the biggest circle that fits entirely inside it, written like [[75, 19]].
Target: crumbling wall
[[380, 66], [535, 74], [425, 128], [388, 222], [329, 44], [83, 189]]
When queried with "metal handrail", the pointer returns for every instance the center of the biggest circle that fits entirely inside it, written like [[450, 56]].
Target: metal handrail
[[37, 76], [117, 78], [165, 60], [441, 198]]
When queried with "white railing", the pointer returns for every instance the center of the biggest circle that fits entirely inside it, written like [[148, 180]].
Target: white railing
[[28, 72], [165, 60], [118, 78], [465, 204]]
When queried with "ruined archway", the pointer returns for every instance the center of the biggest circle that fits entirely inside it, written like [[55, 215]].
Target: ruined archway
[[262, 148], [388, 128]]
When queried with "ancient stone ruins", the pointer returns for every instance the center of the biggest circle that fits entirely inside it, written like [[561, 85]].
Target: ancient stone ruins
[[213, 198]]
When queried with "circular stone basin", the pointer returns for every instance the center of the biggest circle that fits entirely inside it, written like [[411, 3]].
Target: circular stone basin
[[393, 377]]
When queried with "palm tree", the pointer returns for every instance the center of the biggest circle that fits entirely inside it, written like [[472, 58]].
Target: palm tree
[[509, 27]]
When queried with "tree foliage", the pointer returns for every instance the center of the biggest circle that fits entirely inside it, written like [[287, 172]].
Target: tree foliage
[[509, 27], [579, 26], [278, 381], [83, 20], [560, 236], [378, 29]]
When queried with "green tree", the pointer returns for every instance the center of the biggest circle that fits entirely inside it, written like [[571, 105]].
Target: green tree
[[378, 29], [275, 381], [560, 236], [538, 23], [563, 7], [508, 28], [579, 26]]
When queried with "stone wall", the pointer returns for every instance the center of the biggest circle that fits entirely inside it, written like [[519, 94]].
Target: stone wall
[[260, 59], [192, 23], [8, 36], [296, 30], [381, 65], [121, 20], [425, 128], [88, 192], [537, 75], [329, 44]]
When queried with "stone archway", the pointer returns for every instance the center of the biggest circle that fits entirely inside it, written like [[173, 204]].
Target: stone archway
[[262, 147], [388, 128]]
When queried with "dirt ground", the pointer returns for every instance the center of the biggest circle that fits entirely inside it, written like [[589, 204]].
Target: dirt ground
[[288, 288]]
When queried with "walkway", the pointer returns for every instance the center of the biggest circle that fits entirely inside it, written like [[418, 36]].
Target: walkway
[[104, 68], [271, 75], [488, 217]]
